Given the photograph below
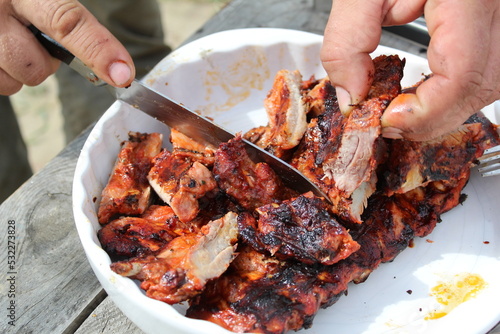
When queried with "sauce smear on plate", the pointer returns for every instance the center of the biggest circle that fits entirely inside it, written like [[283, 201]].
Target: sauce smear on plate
[[452, 293]]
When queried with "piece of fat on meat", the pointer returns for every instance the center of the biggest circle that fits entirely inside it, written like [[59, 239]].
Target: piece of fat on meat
[[183, 267]]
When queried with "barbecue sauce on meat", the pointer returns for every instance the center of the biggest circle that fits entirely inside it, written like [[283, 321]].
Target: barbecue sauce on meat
[[127, 191], [341, 153], [300, 229], [294, 254], [273, 294], [251, 185]]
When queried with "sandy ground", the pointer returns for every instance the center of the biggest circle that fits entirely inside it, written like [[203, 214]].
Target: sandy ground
[[38, 108]]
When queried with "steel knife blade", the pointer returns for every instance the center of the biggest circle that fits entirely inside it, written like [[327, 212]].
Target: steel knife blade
[[175, 115]]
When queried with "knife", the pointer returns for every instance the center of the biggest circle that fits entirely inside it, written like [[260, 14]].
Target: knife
[[175, 115]]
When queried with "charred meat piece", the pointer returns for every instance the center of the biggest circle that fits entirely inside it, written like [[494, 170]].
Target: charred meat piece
[[164, 215], [262, 294], [286, 113], [414, 164], [250, 185], [425, 205], [292, 257], [343, 160], [180, 183], [183, 267], [351, 172], [133, 236], [138, 236], [128, 192], [318, 95], [300, 229]]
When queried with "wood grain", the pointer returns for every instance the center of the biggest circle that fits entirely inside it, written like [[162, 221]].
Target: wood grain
[[55, 288], [54, 284], [107, 318]]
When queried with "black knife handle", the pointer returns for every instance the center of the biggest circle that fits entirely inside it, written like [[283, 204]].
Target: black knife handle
[[58, 51], [55, 49]]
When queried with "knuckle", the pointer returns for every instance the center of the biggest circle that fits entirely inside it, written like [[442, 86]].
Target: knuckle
[[36, 70], [20, 64], [65, 19], [473, 79], [70, 24], [94, 47]]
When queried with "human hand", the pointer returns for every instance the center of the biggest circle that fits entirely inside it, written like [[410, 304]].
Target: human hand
[[24, 61], [463, 55]]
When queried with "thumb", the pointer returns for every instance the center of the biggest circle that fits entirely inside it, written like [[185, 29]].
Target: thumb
[[464, 73], [428, 113], [74, 27]]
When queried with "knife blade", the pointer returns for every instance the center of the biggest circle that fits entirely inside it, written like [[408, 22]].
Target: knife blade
[[175, 115]]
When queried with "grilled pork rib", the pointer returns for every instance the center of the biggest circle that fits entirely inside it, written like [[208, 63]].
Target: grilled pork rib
[[180, 182], [127, 191], [260, 293], [146, 234], [182, 268], [293, 255], [250, 185], [132, 236], [286, 112], [184, 146], [341, 153], [300, 228], [414, 164]]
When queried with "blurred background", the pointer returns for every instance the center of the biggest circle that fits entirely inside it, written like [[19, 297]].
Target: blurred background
[[38, 109]]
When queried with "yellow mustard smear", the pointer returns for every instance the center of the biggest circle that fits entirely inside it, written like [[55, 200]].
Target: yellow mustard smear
[[452, 293]]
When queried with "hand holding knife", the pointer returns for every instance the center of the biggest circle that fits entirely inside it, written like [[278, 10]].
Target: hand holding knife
[[179, 117]]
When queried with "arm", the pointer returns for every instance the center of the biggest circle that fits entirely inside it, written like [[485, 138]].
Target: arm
[[24, 61], [463, 56]]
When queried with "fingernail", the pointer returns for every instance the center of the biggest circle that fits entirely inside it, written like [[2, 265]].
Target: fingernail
[[392, 133], [120, 73], [344, 100]]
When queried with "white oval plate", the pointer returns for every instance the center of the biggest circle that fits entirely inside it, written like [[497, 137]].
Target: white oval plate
[[226, 76]]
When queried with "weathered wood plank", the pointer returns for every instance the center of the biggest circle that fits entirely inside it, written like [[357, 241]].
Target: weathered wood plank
[[107, 318], [299, 14], [306, 15], [55, 290], [52, 282]]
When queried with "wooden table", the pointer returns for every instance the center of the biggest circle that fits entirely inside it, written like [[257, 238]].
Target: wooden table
[[47, 284]]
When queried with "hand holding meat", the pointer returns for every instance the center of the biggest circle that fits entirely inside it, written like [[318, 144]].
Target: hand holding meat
[[23, 61], [463, 57]]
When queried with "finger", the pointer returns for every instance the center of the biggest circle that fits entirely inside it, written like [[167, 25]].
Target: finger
[[457, 56], [22, 60], [72, 25], [352, 33]]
